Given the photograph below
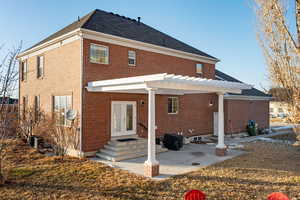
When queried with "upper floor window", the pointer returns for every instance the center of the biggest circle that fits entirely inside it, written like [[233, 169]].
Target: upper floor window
[[99, 54], [172, 105], [199, 68], [24, 70], [40, 66], [61, 106], [131, 58]]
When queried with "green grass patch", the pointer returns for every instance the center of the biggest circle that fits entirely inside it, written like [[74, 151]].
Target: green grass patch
[[22, 172]]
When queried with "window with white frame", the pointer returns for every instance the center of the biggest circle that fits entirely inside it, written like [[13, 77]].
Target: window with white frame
[[199, 68], [131, 58], [24, 70], [40, 66], [99, 54], [61, 105], [25, 104], [37, 107], [172, 105]]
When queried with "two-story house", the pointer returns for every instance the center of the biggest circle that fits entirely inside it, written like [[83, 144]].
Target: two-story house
[[125, 80]]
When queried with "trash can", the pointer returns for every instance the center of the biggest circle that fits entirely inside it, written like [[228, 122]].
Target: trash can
[[252, 128]]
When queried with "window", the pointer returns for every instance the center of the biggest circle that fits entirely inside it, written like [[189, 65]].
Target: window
[[280, 110], [199, 68], [25, 102], [131, 58], [271, 110], [98, 54], [40, 66], [172, 105], [61, 105], [36, 108], [24, 70]]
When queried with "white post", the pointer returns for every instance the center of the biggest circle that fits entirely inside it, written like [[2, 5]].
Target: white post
[[151, 164], [221, 148]]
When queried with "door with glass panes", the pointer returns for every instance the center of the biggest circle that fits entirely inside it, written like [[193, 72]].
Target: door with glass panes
[[123, 118]]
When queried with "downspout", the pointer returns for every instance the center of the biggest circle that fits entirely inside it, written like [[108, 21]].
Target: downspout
[[81, 93]]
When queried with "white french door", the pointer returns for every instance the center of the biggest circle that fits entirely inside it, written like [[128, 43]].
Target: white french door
[[123, 118]]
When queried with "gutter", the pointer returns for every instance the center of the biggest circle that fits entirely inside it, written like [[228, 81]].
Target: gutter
[[244, 97]]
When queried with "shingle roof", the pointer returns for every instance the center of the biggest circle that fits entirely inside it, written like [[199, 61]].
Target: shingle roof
[[125, 27], [251, 92]]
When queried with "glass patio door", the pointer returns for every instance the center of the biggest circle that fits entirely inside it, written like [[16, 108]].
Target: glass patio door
[[123, 118]]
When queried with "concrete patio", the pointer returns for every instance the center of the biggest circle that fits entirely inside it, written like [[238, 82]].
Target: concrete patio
[[191, 157]]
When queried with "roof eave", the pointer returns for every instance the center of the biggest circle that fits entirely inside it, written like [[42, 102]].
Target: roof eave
[[48, 43], [118, 38], [247, 97]]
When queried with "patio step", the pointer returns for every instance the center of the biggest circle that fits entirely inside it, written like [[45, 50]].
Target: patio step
[[117, 151]]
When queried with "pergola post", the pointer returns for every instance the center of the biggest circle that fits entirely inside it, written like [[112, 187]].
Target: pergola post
[[151, 166], [221, 147]]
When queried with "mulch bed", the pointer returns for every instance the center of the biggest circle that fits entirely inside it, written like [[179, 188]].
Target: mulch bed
[[266, 168]]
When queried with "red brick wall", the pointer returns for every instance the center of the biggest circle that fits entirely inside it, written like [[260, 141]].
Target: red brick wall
[[194, 112], [239, 112]]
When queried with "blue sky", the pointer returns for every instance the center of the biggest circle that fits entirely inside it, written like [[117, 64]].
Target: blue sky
[[224, 29]]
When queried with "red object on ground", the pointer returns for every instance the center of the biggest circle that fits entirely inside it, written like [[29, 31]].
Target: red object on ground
[[194, 195], [277, 196]]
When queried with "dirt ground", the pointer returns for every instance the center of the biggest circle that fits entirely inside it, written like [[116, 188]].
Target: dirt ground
[[264, 169]]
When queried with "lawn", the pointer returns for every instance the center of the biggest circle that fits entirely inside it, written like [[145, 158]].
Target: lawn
[[264, 169]]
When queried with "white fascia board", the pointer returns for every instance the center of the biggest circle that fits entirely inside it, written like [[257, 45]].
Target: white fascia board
[[52, 44], [128, 80], [244, 97], [189, 87], [220, 77], [123, 88], [94, 35]]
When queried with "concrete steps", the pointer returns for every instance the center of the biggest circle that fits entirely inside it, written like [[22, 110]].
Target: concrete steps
[[117, 151]]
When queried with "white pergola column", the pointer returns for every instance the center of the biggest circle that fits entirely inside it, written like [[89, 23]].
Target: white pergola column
[[151, 164], [221, 147]]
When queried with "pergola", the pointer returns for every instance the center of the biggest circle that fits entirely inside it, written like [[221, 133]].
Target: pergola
[[169, 84]]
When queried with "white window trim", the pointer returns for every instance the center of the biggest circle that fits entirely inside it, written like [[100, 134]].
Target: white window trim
[[99, 45], [173, 113], [65, 120], [132, 58], [202, 65], [38, 66], [24, 69]]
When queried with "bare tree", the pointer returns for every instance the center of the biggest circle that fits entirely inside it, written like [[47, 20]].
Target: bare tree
[[61, 138], [281, 48], [8, 85]]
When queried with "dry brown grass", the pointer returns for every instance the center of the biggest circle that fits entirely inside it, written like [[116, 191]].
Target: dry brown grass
[[265, 169], [289, 137]]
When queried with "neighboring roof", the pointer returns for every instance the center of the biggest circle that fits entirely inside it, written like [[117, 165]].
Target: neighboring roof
[[114, 24], [249, 92]]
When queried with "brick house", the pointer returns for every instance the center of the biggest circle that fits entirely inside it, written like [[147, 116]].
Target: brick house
[[112, 70]]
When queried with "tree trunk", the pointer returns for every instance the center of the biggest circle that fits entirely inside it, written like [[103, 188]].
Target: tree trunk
[[297, 14]]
